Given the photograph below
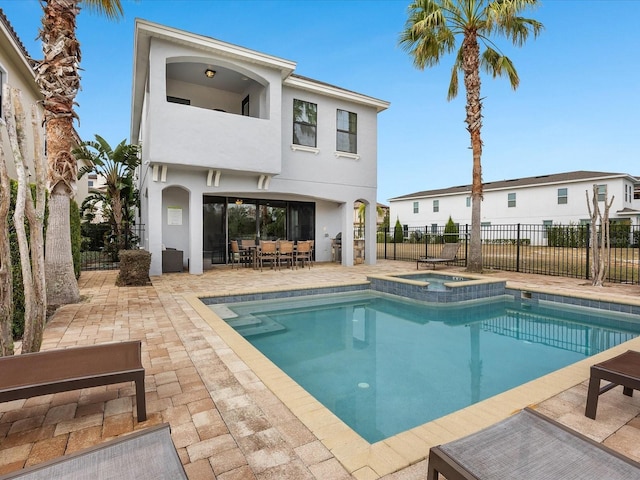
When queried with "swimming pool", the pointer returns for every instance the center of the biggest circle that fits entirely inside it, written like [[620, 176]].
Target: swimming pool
[[385, 364]]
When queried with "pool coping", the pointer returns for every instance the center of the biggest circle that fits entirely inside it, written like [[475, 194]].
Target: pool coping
[[371, 461]]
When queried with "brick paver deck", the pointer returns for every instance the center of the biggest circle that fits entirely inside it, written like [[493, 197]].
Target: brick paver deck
[[226, 424]]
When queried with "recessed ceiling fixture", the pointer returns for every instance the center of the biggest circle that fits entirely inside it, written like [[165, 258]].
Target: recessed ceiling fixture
[[210, 73]]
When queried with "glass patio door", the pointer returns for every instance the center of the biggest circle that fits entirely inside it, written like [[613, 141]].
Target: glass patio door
[[214, 241]]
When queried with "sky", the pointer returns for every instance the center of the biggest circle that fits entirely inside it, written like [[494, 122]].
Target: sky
[[576, 108]]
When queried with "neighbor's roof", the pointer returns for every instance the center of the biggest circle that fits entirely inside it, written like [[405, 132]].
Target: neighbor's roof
[[567, 177], [9, 28]]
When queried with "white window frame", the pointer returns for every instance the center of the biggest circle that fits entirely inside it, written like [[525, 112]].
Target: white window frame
[[602, 192], [563, 199]]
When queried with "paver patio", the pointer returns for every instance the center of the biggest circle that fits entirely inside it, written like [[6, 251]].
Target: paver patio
[[226, 424]]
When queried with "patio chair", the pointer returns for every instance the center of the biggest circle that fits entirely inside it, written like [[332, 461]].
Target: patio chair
[[268, 252], [528, 446], [145, 454], [240, 255], [285, 252], [303, 253], [448, 254], [623, 369]]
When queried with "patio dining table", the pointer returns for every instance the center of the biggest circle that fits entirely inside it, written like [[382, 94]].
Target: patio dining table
[[255, 251]]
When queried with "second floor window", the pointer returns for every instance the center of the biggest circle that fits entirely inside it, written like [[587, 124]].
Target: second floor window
[[511, 200], [305, 123], [562, 196], [416, 207], [468, 200], [602, 193], [347, 132], [436, 205]]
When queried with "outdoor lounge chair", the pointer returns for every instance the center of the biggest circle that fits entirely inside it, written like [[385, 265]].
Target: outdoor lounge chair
[[448, 254], [145, 454], [621, 370], [528, 446]]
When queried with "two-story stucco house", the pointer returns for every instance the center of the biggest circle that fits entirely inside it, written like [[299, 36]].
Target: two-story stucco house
[[545, 200], [237, 146]]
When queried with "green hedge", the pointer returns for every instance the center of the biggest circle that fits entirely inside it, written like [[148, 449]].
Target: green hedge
[[76, 236], [18, 292]]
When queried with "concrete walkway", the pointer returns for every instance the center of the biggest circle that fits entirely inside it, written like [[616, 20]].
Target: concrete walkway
[[225, 423]]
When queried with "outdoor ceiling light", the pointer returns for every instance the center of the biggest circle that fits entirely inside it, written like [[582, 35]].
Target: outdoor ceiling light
[[210, 73]]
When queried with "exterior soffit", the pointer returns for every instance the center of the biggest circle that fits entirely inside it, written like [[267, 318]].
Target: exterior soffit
[[212, 46], [336, 92]]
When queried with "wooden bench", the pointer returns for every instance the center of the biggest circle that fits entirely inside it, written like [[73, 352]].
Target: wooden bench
[[32, 374]]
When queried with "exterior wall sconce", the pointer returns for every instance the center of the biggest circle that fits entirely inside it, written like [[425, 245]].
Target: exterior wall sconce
[[210, 73]]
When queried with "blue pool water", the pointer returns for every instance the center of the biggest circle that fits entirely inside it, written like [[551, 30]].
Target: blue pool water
[[384, 364]]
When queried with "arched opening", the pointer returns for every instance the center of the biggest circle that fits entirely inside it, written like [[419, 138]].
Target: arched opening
[[215, 85]]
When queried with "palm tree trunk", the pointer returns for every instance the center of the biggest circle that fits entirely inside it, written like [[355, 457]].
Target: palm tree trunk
[[59, 81], [471, 68]]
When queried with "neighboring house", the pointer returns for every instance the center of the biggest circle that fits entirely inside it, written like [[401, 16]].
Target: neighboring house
[[96, 184], [16, 70], [544, 200], [236, 146]]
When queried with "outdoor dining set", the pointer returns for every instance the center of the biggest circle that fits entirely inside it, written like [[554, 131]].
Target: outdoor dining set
[[272, 252]]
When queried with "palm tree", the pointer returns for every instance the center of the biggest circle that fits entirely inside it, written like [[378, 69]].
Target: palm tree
[[431, 31], [58, 79], [116, 167], [362, 211]]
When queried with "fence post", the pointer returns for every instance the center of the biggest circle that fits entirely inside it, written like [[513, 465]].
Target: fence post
[[588, 246], [518, 249], [386, 232], [466, 244], [426, 242]]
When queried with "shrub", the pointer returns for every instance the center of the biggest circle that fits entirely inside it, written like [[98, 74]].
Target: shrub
[[76, 236], [451, 233], [398, 232], [134, 268], [573, 236]]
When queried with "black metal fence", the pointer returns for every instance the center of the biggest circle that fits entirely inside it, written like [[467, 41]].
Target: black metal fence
[[103, 254], [561, 250]]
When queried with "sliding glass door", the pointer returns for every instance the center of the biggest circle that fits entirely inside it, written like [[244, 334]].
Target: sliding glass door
[[230, 218]]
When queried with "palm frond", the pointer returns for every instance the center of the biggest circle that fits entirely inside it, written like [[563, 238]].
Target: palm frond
[[499, 65], [111, 9], [453, 83]]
